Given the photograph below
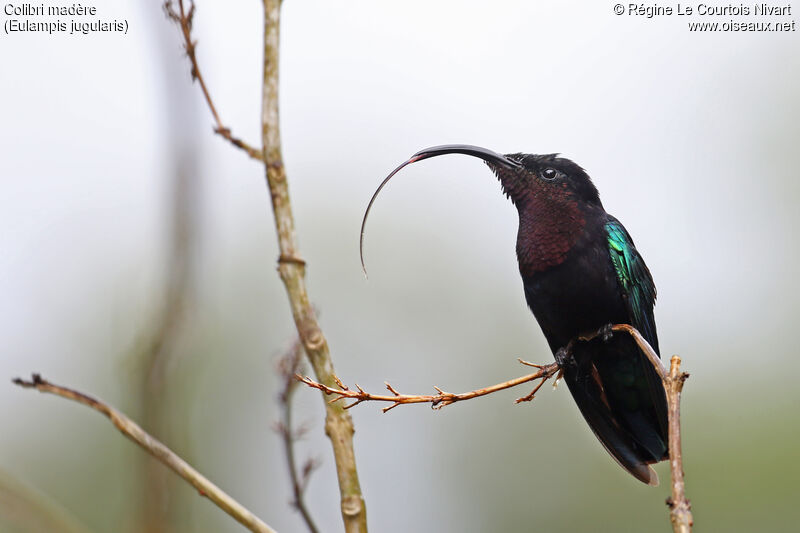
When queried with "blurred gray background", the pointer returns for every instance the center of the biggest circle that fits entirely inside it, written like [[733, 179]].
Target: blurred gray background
[[120, 207]]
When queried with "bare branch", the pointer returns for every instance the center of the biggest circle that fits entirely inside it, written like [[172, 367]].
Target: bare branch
[[158, 450], [338, 425], [438, 400], [183, 19], [643, 345], [442, 398], [288, 366], [680, 508], [291, 267]]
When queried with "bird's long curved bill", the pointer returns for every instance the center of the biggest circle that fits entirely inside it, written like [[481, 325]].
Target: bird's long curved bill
[[476, 151]]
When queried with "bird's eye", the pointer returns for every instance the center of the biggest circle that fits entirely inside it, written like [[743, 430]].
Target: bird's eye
[[550, 174]]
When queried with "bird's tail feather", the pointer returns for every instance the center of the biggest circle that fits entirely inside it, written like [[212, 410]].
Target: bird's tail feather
[[623, 401]]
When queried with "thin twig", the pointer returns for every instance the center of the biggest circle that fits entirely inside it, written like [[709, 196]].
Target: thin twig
[[291, 267], [184, 19], [679, 505], [644, 346], [288, 366], [338, 424], [438, 400], [158, 450]]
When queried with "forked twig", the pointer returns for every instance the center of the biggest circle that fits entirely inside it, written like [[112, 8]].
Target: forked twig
[[672, 379], [644, 346], [438, 400], [291, 267], [183, 18], [158, 450], [680, 508]]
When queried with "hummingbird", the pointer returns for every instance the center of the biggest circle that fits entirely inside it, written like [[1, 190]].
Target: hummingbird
[[581, 272]]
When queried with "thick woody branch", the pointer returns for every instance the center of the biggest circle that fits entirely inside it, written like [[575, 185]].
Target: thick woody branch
[[438, 400], [291, 267], [158, 450], [183, 18]]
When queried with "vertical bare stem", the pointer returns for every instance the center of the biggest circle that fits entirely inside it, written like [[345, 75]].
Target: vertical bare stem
[[680, 512], [288, 366], [338, 424]]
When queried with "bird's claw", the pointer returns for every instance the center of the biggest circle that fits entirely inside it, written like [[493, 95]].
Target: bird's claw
[[558, 378], [563, 356], [606, 332]]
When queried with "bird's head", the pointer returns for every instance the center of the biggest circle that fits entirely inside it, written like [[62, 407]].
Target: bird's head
[[544, 177], [527, 179]]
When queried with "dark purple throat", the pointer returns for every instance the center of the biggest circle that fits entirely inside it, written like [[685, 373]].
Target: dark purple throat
[[550, 224]]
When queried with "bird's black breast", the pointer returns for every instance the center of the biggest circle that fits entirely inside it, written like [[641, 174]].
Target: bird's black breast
[[579, 295], [614, 385]]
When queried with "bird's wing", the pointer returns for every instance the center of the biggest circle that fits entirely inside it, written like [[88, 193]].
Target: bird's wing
[[635, 280]]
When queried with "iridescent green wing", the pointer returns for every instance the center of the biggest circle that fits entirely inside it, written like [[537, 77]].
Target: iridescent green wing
[[635, 280]]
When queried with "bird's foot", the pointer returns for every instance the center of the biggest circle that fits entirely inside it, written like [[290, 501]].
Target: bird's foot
[[564, 357], [559, 376], [606, 332]]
